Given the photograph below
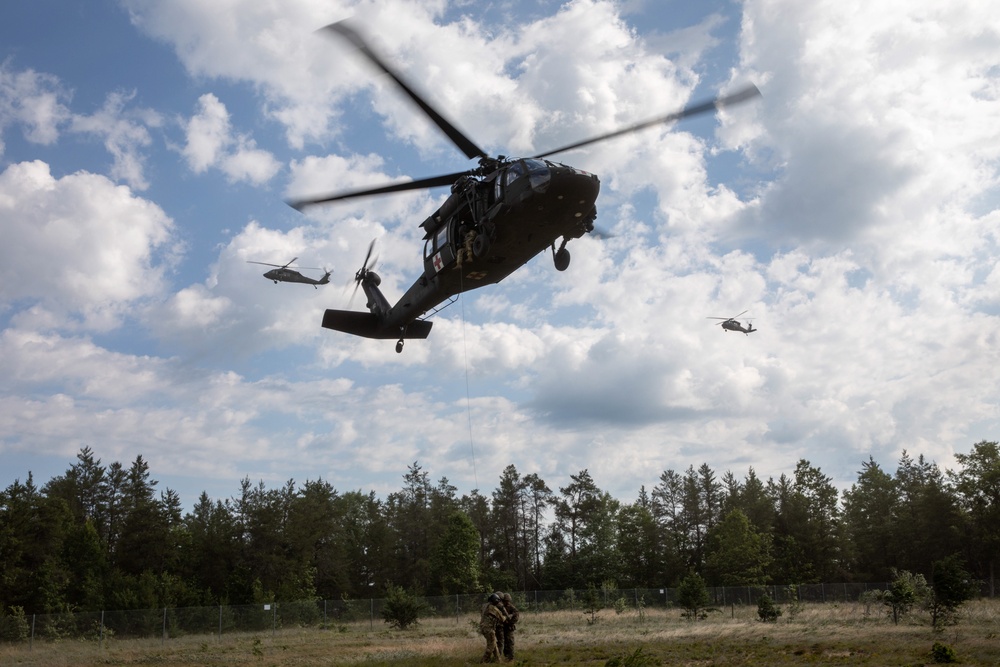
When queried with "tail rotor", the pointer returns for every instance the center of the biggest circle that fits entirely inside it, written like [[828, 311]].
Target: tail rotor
[[365, 273]]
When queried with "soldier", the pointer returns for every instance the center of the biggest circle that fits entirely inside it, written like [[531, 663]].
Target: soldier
[[465, 253], [490, 624], [509, 626]]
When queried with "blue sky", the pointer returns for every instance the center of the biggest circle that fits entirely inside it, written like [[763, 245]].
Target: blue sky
[[147, 149]]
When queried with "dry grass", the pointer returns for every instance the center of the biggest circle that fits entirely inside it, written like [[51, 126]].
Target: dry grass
[[820, 634]]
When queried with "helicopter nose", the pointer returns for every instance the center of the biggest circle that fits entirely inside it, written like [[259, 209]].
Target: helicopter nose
[[575, 186]]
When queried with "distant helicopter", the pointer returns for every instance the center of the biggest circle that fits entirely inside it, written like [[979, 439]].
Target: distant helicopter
[[284, 274], [499, 216], [732, 324]]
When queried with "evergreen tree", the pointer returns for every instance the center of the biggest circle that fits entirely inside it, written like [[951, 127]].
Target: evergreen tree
[[978, 486], [692, 596], [455, 562], [213, 552], [536, 497], [638, 546], [667, 508], [950, 589], [932, 525], [871, 511], [408, 513], [738, 555], [579, 500]]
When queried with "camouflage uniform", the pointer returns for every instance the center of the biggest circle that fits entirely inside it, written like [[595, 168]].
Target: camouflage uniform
[[490, 624], [465, 253], [509, 626]]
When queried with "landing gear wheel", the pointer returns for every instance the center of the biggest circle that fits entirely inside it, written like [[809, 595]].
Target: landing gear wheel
[[481, 245], [561, 259], [399, 346]]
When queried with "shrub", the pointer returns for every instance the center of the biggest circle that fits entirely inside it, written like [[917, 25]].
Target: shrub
[[905, 590], [943, 653], [692, 596], [592, 603], [401, 609], [950, 589], [13, 625], [767, 611]]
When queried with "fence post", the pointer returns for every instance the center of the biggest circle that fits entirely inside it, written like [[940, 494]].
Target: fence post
[[163, 640], [371, 614], [100, 643], [274, 619], [31, 642], [324, 615], [220, 622]]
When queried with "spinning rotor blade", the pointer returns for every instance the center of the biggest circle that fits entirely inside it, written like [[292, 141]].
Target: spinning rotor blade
[[419, 184], [739, 96], [362, 272], [368, 255], [465, 144]]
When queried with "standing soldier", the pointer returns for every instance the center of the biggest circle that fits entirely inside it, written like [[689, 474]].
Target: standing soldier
[[509, 626], [491, 624]]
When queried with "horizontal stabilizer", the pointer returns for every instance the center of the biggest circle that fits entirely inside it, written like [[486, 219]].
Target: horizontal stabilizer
[[368, 325]]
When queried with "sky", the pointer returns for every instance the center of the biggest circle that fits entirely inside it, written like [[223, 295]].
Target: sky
[[147, 150]]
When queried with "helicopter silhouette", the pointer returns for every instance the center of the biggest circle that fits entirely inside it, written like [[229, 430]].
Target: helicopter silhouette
[[284, 274], [499, 216], [732, 324]]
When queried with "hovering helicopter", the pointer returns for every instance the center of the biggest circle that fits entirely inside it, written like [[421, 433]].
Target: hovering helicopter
[[732, 324], [286, 275], [499, 215]]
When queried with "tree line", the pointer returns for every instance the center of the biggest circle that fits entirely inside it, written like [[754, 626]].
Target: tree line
[[103, 537]]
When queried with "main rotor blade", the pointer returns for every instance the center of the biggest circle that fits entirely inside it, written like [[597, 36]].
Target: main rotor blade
[[465, 144], [739, 96], [265, 264], [419, 184]]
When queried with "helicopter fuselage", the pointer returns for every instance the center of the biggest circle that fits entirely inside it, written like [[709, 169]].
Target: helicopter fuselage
[[509, 218], [734, 325], [484, 231], [283, 275]]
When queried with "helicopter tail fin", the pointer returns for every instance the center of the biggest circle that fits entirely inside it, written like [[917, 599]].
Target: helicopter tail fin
[[368, 325], [326, 277]]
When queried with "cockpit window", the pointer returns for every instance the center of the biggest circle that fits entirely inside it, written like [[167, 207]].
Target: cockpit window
[[514, 171]]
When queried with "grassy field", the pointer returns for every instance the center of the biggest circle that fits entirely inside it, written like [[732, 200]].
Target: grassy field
[[819, 634]]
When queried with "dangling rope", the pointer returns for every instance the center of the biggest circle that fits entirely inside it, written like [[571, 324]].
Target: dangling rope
[[468, 396]]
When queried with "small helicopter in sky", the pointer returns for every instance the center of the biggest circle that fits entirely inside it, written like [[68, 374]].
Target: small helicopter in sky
[[499, 216], [284, 274], [732, 324]]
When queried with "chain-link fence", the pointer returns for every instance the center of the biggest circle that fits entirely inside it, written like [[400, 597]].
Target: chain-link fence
[[366, 614]]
